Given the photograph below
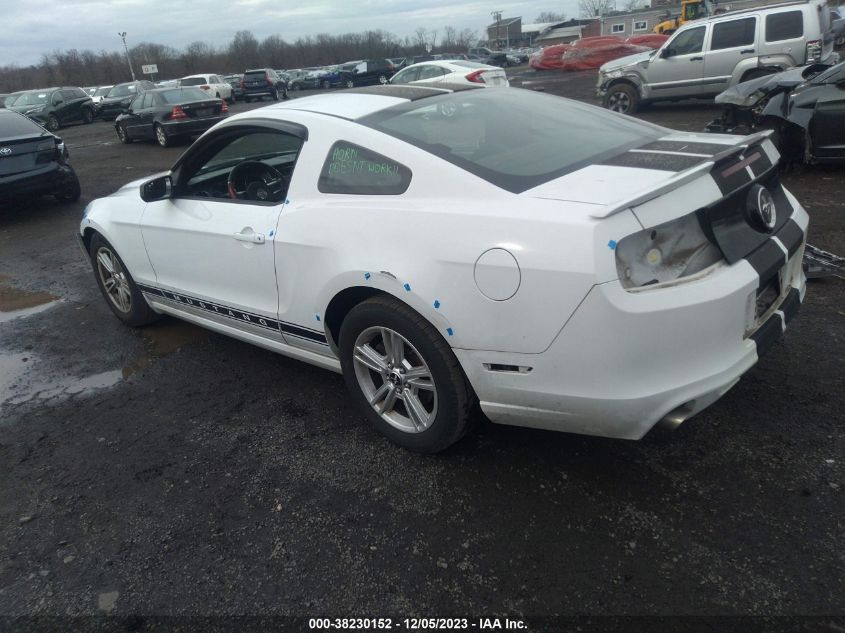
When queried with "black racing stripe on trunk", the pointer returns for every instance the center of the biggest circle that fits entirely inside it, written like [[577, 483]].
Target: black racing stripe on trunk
[[647, 160], [767, 260], [689, 147], [730, 182], [790, 305], [762, 164], [791, 236], [768, 334]]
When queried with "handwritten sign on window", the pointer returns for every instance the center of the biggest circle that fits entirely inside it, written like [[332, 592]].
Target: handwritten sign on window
[[353, 169]]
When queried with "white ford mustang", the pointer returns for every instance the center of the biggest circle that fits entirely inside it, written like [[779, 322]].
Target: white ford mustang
[[565, 267]]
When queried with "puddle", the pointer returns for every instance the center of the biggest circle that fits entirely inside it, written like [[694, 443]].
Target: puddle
[[20, 381], [24, 377], [165, 338], [16, 303]]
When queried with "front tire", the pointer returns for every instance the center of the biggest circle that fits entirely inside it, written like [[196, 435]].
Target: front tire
[[404, 375], [87, 116], [622, 98], [53, 123], [275, 94], [161, 136], [350, 83], [122, 134], [118, 288], [382, 79]]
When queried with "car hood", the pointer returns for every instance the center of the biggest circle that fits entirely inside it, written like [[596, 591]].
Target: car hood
[[26, 108], [748, 93], [628, 60]]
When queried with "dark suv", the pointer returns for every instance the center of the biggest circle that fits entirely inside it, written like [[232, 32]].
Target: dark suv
[[367, 72], [120, 96], [263, 82], [55, 107], [33, 161]]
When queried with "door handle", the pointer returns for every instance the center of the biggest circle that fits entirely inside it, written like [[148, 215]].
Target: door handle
[[746, 51], [248, 235], [695, 59]]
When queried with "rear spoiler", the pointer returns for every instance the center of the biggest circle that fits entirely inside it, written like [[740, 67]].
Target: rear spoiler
[[681, 178]]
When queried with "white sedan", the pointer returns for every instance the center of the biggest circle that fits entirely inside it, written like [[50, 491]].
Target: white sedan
[[453, 72], [214, 85], [563, 266]]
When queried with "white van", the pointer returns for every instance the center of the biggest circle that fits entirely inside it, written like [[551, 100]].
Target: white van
[[705, 57]]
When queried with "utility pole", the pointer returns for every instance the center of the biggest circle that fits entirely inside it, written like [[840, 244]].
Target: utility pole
[[497, 15], [126, 48]]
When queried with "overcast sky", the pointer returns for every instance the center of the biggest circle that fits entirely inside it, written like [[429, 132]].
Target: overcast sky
[[34, 29]]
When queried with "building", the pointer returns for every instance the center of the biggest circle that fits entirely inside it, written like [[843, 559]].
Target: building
[[564, 32], [505, 33]]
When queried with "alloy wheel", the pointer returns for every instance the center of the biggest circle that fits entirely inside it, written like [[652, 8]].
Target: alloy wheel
[[114, 279], [395, 379], [619, 102], [161, 137]]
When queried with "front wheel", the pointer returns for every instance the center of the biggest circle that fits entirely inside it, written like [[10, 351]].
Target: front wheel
[[382, 79], [161, 136], [87, 115], [622, 98], [117, 285], [122, 134], [275, 94], [404, 375], [350, 83], [53, 123]]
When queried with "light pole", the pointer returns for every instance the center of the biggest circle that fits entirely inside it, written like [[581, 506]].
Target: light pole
[[126, 48]]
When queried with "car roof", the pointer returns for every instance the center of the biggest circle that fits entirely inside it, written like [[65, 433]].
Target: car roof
[[355, 103], [449, 63], [758, 9]]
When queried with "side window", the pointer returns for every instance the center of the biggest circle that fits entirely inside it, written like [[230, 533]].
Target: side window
[[784, 26], [253, 157], [147, 101], [353, 169], [361, 68], [732, 34], [689, 41], [69, 95], [57, 98], [406, 76], [430, 72]]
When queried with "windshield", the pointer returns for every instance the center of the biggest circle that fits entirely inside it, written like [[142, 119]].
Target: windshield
[[193, 81], [515, 139], [101, 92], [123, 90], [32, 98], [178, 95]]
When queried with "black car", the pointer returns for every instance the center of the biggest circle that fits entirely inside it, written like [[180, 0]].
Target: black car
[[55, 107], [804, 106], [165, 114], [119, 98], [366, 72], [33, 161], [235, 82], [263, 82]]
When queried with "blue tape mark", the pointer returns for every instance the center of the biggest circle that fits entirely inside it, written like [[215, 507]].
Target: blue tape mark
[[317, 316], [366, 275], [287, 201], [449, 331], [437, 304], [271, 233], [612, 245], [407, 287]]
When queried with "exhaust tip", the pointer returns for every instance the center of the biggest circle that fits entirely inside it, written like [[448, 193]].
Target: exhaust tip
[[675, 418]]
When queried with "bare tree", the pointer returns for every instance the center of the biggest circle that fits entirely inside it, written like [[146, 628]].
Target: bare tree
[[467, 38], [420, 38], [595, 8], [547, 17], [630, 5]]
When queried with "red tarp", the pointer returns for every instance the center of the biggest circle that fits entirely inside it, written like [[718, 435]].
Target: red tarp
[[591, 52]]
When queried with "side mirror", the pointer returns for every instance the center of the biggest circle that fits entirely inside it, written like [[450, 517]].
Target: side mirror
[[667, 52], [159, 188]]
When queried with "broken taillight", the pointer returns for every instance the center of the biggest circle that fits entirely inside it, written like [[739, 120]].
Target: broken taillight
[[178, 113], [225, 107], [814, 51]]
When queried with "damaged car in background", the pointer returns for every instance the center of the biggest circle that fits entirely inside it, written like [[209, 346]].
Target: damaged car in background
[[805, 107]]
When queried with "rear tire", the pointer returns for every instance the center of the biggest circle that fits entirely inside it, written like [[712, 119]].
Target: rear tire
[[118, 288], [275, 94], [418, 382], [350, 83], [622, 98], [382, 79], [161, 136], [71, 192], [87, 115]]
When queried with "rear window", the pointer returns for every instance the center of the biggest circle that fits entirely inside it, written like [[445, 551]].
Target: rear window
[[14, 124], [732, 34], [101, 92], [515, 139], [193, 81], [784, 26], [178, 95], [257, 74]]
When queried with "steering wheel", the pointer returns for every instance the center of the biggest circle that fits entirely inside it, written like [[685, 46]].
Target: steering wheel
[[254, 180]]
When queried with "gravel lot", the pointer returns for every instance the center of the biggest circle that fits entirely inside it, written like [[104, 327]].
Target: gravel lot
[[172, 471]]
